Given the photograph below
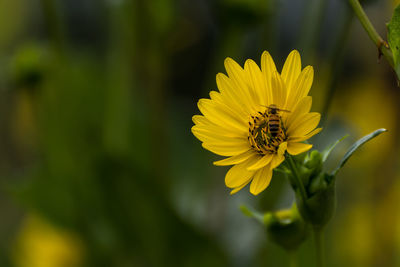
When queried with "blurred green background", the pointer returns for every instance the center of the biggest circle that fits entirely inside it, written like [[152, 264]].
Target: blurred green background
[[98, 165]]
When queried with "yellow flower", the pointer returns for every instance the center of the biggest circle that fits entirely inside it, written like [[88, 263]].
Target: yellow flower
[[257, 115], [41, 244]]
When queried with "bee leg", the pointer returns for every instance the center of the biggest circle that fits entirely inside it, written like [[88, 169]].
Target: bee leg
[[283, 129]]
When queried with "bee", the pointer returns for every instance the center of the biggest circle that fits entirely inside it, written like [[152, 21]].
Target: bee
[[274, 119]]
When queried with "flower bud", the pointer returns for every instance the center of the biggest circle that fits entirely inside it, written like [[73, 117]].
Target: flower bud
[[317, 184], [286, 228], [314, 161], [315, 189], [320, 204]]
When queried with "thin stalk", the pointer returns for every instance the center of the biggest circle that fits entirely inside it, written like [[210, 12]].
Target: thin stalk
[[54, 24], [292, 259], [383, 47], [319, 248], [297, 180], [336, 61], [311, 28]]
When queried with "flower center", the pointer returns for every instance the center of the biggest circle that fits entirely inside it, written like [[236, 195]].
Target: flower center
[[266, 132]]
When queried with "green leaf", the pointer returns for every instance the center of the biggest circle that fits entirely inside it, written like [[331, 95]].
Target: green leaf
[[329, 149], [394, 39], [356, 146], [252, 213]]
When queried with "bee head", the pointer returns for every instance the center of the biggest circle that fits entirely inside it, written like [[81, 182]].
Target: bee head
[[272, 108]]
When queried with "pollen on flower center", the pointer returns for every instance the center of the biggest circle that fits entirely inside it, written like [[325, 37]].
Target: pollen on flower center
[[266, 133]]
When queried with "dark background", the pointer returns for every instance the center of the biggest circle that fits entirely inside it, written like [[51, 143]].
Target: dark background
[[98, 165]]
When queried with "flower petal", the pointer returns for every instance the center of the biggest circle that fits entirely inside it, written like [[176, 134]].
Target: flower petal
[[237, 175], [229, 106], [291, 70], [303, 86], [304, 124], [261, 180], [235, 159], [305, 137], [237, 189], [214, 138], [257, 82], [297, 148], [220, 116], [215, 129], [229, 91], [279, 157], [268, 68], [302, 107], [282, 148], [263, 161], [278, 90], [276, 161], [226, 150], [199, 119], [238, 77]]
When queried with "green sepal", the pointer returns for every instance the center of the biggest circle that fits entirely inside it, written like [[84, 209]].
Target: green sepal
[[320, 204], [318, 184], [327, 151], [311, 166], [356, 146], [314, 161]]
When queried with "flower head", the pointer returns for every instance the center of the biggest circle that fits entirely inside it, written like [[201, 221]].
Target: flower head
[[257, 115]]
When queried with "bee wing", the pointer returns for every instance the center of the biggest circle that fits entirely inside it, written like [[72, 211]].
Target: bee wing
[[274, 107]]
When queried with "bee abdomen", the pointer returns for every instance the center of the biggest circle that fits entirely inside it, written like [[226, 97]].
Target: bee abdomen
[[274, 125]]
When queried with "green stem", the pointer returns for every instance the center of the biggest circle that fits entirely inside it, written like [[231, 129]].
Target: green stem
[[336, 61], [311, 28], [372, 33], [54, 24], [292, 259], [319, 248], [298, 181], [318, 237]]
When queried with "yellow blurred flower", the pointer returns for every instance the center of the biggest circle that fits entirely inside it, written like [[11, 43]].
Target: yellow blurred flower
[[257, 115], [41, 244]]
